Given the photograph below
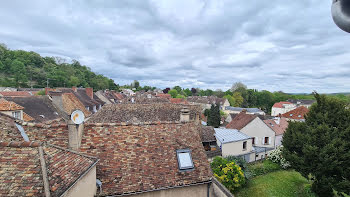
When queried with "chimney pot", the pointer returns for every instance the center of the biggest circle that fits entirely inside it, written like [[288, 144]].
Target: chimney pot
[[74, 89], [185, 115]]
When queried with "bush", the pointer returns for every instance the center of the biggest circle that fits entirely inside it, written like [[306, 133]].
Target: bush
[[239, 161], [276, 157], [228, 173], [261, 168]]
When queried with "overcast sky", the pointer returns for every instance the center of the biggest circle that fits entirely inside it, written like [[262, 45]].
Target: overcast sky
[[275, 45]]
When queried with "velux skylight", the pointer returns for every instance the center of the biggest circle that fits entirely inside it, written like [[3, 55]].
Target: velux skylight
[[184, 159]]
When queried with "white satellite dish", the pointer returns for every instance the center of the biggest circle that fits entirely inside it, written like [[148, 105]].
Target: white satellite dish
[[77, 117]]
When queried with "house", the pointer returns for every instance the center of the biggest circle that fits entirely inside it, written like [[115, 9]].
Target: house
[[206, 102], [68, 103], [85, 95], [207, 134], [13, 109], [281, 108], [279, 125], [302, 102], [36, 169], [297, 114], [128, 92], [237, 110], [230, 117], [234, 143], [263, 137], [40, 108]]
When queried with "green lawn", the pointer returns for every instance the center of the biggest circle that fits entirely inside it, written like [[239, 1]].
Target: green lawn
[[281, 183]]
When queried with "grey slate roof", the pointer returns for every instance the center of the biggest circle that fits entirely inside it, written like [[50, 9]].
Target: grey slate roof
[[250, 110], [230, 135]]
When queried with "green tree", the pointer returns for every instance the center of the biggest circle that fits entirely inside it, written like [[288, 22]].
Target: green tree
[[173, 93], [214, 117], [74, 81], [230, 99], [319, 147], [237, 85], [238, 99], [178, 89]]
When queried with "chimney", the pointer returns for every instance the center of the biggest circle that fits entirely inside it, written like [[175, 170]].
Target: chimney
[[75, 133], [74, 89], [47, 91], [244, 111], [185, 115], [90, 92]]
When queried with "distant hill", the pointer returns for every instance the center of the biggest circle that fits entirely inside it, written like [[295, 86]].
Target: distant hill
[[20, 68]]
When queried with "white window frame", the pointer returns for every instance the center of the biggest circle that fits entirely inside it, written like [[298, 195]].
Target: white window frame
[[16, 114]]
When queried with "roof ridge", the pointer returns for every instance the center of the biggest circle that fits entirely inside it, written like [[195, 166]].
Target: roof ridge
[[16, 144]]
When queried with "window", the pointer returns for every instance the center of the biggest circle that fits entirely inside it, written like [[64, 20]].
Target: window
[[290, 114], [266, 141], [253, 141], [245, 145], [16, 114], [184, 159]]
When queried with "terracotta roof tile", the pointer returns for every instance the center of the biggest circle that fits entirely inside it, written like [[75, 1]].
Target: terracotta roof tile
[[21, 173], [9, 105], [178, 101], [71, 103], [280, 104], [8, 129], [27, 118], [18, 93], [207, 134], [297, 114], [240, 121], [143, 158], [116, 113], [278, 128], [168, 96]]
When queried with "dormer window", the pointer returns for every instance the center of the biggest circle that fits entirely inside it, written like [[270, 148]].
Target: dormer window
[[16, 114], [184, 159]]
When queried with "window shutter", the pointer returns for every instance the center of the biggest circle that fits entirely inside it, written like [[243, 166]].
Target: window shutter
[[263, 141], [256, 140], [269, 140]]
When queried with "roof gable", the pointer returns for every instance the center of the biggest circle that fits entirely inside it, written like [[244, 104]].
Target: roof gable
[[280, 104], [9, 105], [240, 121], [278, 127], [297, 114]]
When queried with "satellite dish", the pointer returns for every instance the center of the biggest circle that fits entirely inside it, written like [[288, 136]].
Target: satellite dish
[[77, 117]]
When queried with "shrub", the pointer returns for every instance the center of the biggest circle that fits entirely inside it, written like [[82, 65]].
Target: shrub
[[261, 168], [238, 160], [228, 173], [276, 157]]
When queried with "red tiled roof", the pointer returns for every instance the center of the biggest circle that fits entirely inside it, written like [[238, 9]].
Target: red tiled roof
[[21, 170], [71, 103], [178, 101], [280, 128], [297, 114], [143, 158], [168, 96], [9, 105], [280, 104], [18, 93], [27, 118], [240, 121]]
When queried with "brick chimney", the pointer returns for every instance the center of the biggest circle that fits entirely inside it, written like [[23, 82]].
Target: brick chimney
[[74, 89], [90, 92], [185, 115]]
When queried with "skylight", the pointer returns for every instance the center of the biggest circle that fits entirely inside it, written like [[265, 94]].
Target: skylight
[[184, 159]]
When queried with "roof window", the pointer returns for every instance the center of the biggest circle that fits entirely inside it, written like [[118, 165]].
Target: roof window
[[290, 114], [184, 159]]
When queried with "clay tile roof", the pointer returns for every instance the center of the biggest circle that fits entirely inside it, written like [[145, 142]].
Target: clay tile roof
[[154, 112], [207, 134], [17, 93], [168, 96], [8, 129], [9, 105], [27, 118], [240, 121], [71, 103], [21, 172], [280, 104], [296, 114], [280, 128], [143, 158], [178, 101]]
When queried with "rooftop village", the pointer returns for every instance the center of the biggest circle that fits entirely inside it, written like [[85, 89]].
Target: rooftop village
[[128, 143]]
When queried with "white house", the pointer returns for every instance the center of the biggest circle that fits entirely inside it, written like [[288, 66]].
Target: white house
[[281, 108], [279, 126]]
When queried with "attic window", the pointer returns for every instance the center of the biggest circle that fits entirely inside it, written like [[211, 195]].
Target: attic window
[[184, 159], [299, 116], [290, 114]]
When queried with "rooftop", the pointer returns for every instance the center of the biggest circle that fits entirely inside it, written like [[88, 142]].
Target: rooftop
[[297, 114], [40, 108], [280, 104], [21, 170], [139, 113], [18, 93], [207, 134], [240, 121], [278, 126], [230, 135], [6, 105], [249, 110]]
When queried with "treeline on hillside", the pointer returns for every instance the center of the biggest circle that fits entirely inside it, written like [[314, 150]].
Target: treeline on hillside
[[20, 68], [240, 96]]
